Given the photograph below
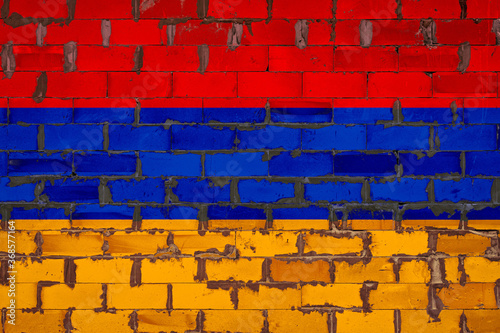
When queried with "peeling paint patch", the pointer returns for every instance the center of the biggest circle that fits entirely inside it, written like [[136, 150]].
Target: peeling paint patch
[[8, 60], [301, 34], [70, 54], [105, 32], [365, 33]]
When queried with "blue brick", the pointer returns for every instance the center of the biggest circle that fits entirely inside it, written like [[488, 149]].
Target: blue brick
[[482, 115], [235, 165], [71, 190], [27, 164], [334, 137], [139, 138], [155, 213], [104, 115], [23, 192], [4, 162], [486, 213], [463, 190], [202, 137], [270, 137], [235, 213], [359, 164], [168, 164], [41, 115], [194, 190], [183, 213], [361, 115], [26, 213], [3, 115], [427, 214], [301, 115], [146, 190], [90, 212], [467, 137], [16, 137], [310, 212], [107, 164], [397, 137], [333, 191], [362, 214], [485, 163], [235, 115], [406, 190], [162, 115], [263, 191], [431, 115], [439, 163], [81, 137], [304, 165]]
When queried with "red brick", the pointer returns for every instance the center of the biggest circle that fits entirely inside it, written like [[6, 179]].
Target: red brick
[[46, 103], [20, 85], [399, 85], [244, 58], [25, 34], [465, 85], [322, 103], [481, 103], [369, 9], [99, 9], [35, 58], [430, 102], [129, 32], [171, 58], [230, 9], [205, 85], [291, 58], [82, 32], [144, 85], [194, 32], [172, 103], [385, 32], [276, 32], [443, 9], [98, 58], [424, 59], [234, 102], [484, 58], [334, 85], [168, 9], [373, 59], [104, 103], [455, 32], [76, 84], [269, 84], [302, 9], [39, 8], [364, 103], [483, 9]]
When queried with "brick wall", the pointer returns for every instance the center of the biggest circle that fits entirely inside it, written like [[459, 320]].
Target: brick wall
[[250, 165]]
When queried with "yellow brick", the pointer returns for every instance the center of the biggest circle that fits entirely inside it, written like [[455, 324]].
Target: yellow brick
[[425, 224], [285, 321], [329, 244], [122, 243], [166, 321], [244, 321], [484, 224], [388, 243], [257, 244], [199, 296], [190, 242], [470, 296], [300, 224], [237, 224], [268, 298], [102, 224], [78, 244], [342, 295], [399, 296], [42, 224], [414, 271], [169, 224], [418, 321], [242, 269], [25, 295], [382, 320], [33, 271], [27, 322], [114, 270], [481, 269], [483, 321], [24, 241], [371, 224], [452, 273], [145, 296], [169, 270], [300, 271], [469, 244], [378, 269], [91, 321], [82, 297]]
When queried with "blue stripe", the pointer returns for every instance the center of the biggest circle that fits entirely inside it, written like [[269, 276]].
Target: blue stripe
[[41, 115], [301, 115], [104, 115]]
